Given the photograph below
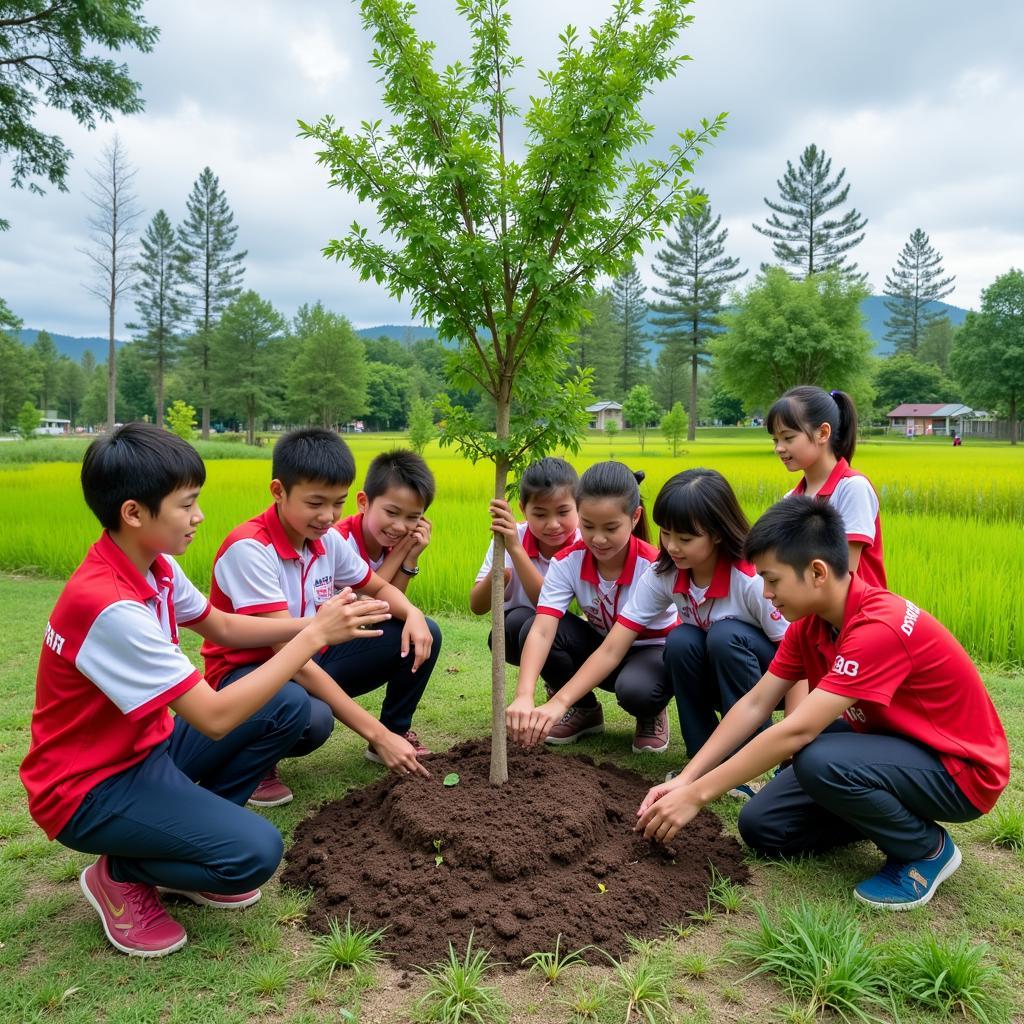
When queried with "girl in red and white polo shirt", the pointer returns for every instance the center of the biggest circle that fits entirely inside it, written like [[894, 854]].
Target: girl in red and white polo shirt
[[815, 432], [547, 497], [601, 571]]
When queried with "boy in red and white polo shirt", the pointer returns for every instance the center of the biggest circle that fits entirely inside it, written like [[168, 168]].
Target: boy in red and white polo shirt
[[390, 531], [921, 740], [289, 559], [109, 771]]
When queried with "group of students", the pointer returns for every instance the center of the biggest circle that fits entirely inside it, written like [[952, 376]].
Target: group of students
[[887, 726]]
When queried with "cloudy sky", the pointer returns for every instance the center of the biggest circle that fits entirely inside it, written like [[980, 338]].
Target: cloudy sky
[[920, 100]]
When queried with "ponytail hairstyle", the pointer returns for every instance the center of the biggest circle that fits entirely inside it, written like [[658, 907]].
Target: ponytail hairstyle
[[806, 408], [700, 501], [616, 480], [546, 476]]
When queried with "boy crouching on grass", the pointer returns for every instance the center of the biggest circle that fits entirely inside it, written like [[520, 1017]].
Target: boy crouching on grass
[[919, 741], [109, 771]]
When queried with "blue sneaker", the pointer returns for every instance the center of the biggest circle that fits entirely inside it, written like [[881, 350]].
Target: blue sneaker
[[903, 886]]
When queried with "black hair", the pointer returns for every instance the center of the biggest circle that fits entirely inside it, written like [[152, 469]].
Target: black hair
[[400, 468], [806, 408], [312, 455], [140, 462], [700, 501], [616, 480], [544, 477], [799, 529]]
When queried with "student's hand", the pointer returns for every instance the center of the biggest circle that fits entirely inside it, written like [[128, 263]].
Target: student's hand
[[517, 718], [416, 635], [656, 793], [420, 537], [398, 754], [503, 521], [542, 720], [344, 617], [668, 813]]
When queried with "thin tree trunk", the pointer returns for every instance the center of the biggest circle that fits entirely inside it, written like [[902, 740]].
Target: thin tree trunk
[[160, 390], [499, 752], [111, 366], [1013, 419], [691, 429]]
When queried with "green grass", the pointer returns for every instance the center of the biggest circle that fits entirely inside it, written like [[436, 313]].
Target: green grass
[[457, 992], [346, 947], [57, 968]]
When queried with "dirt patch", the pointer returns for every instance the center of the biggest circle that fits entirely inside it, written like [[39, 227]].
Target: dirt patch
[[550, 852]]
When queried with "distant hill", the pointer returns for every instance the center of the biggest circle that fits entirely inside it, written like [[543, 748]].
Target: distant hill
[[873, 307]]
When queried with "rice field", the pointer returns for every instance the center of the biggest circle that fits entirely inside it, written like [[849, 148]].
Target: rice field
[[953, 519]]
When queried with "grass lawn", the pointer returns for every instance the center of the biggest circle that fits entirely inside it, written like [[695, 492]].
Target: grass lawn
[[55, 964]]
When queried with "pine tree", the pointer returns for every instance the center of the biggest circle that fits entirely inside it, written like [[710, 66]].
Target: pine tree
[[48, 367], [803, 238], [594, 345], [211, 271], [915, 282], [697, 274], [159, 303], [629, 317]]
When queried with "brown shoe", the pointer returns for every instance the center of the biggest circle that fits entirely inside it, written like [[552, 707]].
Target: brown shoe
[[651, 736], [577, 722], [271, 792]]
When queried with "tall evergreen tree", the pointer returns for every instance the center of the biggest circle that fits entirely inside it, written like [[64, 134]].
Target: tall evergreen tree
[[804, 238], [914, 283], [112, 248], [212, 274], [670, 384], [697, 274], [48, 367], [71, 383], [629, 317], [594, 345], [159, 303]]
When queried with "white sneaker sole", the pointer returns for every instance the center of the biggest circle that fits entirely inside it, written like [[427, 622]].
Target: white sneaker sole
[[149, 954], [650, 750], [271, 803], [203, 901], [561, 741], [951, 866]]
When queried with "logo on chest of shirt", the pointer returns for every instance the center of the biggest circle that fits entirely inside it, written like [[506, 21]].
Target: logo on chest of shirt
[[53, 639], [323, 589]]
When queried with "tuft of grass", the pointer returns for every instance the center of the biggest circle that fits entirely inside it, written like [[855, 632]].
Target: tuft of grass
[[552, 964], [695, 965], [705, 916], [820, 956], [1005, 826], [587, 1001], [291, 906], [947, 977], [350, 948], [724, 893], [797, 1014], [456, 991], [269, 976], [643, 983], [678, 930]]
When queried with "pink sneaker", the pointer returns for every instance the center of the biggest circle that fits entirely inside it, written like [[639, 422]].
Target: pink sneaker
[[651, 736], [409, 736], [133, 917], [577, 722], [217, 900], [271, 792]]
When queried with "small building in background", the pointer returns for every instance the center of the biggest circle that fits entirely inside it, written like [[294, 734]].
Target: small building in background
[[602, 412], [51, 425], [942, 418]]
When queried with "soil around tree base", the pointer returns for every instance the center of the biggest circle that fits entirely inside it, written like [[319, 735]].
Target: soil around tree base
[[551, 852]]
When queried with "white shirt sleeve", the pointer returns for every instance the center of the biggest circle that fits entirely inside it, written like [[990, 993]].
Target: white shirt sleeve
[[650, 599], [485, 569], [763, 612], [190, 604], [127, 656], [249, 575], [559, 587], [350, 570], [855, 500]]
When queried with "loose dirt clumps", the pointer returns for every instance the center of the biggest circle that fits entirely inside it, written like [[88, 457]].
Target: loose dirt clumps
[[550, 852]]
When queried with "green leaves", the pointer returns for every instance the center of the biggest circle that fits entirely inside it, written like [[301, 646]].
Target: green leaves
[[451, 779]]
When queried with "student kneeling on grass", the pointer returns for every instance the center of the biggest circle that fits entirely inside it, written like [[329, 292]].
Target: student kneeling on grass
[[109, 771], [926, 743]]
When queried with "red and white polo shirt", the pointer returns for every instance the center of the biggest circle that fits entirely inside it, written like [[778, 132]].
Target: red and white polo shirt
[[573, 574], [855, 500], [515, 594], [258, 570], [909, 677], [110, 665], [735, 592], [351, 530]]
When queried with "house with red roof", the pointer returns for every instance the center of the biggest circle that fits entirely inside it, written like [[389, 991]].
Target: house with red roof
[[946, 418]]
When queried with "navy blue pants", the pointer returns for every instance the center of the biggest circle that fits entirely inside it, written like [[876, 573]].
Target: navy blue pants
[[517, 628], [710, 671], [846, 786], [159, 827], [640, 683]]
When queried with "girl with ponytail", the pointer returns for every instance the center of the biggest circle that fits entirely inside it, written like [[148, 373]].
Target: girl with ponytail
[[600, 571], [815, 433]]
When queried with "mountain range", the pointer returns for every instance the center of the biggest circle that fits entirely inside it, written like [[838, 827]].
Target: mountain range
[[873, 308]]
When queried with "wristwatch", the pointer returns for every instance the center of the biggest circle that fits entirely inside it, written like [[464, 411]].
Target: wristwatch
[[415, 571]]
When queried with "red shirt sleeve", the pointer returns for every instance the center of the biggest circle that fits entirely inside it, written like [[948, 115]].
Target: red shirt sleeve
[[870, 664], [788, 662]]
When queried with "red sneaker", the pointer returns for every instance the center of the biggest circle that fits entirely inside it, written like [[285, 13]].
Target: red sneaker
[[410, 737], [651, 736], [217, 900], [133, 917], [271, 792], [577, 722]]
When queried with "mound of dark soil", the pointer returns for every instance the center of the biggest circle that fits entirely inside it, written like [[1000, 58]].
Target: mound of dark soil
[[550, 852]]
